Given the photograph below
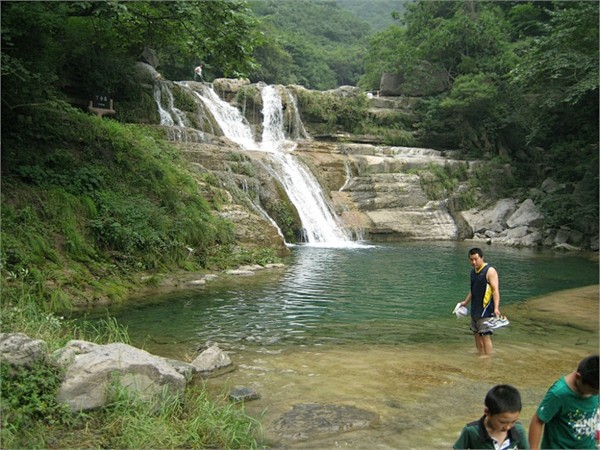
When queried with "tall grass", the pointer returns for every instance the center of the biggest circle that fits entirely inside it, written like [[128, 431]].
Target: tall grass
[[86, 200], [192, 421], [88, 204]]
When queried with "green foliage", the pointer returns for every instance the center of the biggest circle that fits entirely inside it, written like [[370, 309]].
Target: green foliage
[[81, 48], [576, 203], [496, 178], [300, 47], [335, 112], [522, 91], [22, 310], [193, 421], [563, 63], [379, 14], [108, 192], [400, 137], [29, 404], [32, 418], [441, 182]]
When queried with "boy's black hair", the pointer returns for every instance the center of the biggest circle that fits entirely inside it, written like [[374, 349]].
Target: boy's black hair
[[588, 369], [476, 250], [503, 398]]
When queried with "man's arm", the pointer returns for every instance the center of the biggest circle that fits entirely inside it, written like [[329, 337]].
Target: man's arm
[[467, 299], [535, 432], [492, 279]]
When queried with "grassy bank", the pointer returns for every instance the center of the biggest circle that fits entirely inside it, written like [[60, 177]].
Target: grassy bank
[[88, 205], [90, 209], [31, 417]]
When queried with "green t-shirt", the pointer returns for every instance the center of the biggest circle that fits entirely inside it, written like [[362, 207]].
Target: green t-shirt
[[475, 436], [570, 419]]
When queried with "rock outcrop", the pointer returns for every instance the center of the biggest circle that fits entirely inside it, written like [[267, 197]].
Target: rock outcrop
[[92, 376], [378, 192], [94, 372]]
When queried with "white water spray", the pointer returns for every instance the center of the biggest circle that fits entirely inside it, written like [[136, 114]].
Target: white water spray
[[319, 223], [318, 220], [165, 113], [231, 121]]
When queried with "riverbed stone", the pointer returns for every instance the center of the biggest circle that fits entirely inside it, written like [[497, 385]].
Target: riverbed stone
[[211, 361], [308, 420], [18, 349], [91, 378], [243, 394]]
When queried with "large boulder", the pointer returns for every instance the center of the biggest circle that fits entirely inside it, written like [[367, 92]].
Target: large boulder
[[505, 223], [18, 349], [230, 85], [149, 56], [92, 376], [146, 74], [486, 219], [527, 214]]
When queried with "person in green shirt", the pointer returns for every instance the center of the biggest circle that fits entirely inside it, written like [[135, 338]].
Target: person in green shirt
[[568, 413], [499, 428]]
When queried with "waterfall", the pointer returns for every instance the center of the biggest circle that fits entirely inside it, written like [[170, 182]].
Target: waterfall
[[166, 114], [320, 225], [318, 221], [296, 128], [231, 121], [348, 172]]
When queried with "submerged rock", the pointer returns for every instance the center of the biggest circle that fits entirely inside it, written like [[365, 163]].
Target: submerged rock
[[243, 394], [309, 419]]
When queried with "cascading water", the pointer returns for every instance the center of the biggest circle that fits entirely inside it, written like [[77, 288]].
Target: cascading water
[[319, 223], [320, 226], [295, 126], [178, 132], [230, 120], [166, 115]]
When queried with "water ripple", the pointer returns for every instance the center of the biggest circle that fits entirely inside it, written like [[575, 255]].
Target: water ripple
[[381, 295]]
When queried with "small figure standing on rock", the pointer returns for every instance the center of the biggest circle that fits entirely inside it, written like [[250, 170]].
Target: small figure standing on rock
[[198, 73]]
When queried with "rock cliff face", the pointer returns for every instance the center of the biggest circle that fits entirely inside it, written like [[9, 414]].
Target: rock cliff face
[[374, 190], [377, 192]]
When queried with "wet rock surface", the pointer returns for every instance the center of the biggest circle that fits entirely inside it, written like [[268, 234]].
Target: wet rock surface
[[310, 420]]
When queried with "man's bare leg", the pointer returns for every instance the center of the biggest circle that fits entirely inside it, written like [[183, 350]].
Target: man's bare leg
[[484, 345]]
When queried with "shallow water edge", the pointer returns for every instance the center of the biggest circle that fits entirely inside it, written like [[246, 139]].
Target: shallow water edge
[[423, 393]]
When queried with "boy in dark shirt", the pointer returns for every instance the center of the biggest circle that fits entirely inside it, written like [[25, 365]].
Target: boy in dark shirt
[[499, 427]]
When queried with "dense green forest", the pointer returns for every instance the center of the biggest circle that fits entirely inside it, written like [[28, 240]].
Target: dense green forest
[[88, 205]]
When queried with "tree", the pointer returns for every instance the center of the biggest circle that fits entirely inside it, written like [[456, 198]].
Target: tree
[[561, 69], [559, 77], [47, 46], [325, 42]]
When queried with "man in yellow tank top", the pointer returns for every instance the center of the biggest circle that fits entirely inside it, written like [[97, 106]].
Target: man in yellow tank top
[[484, 297]]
